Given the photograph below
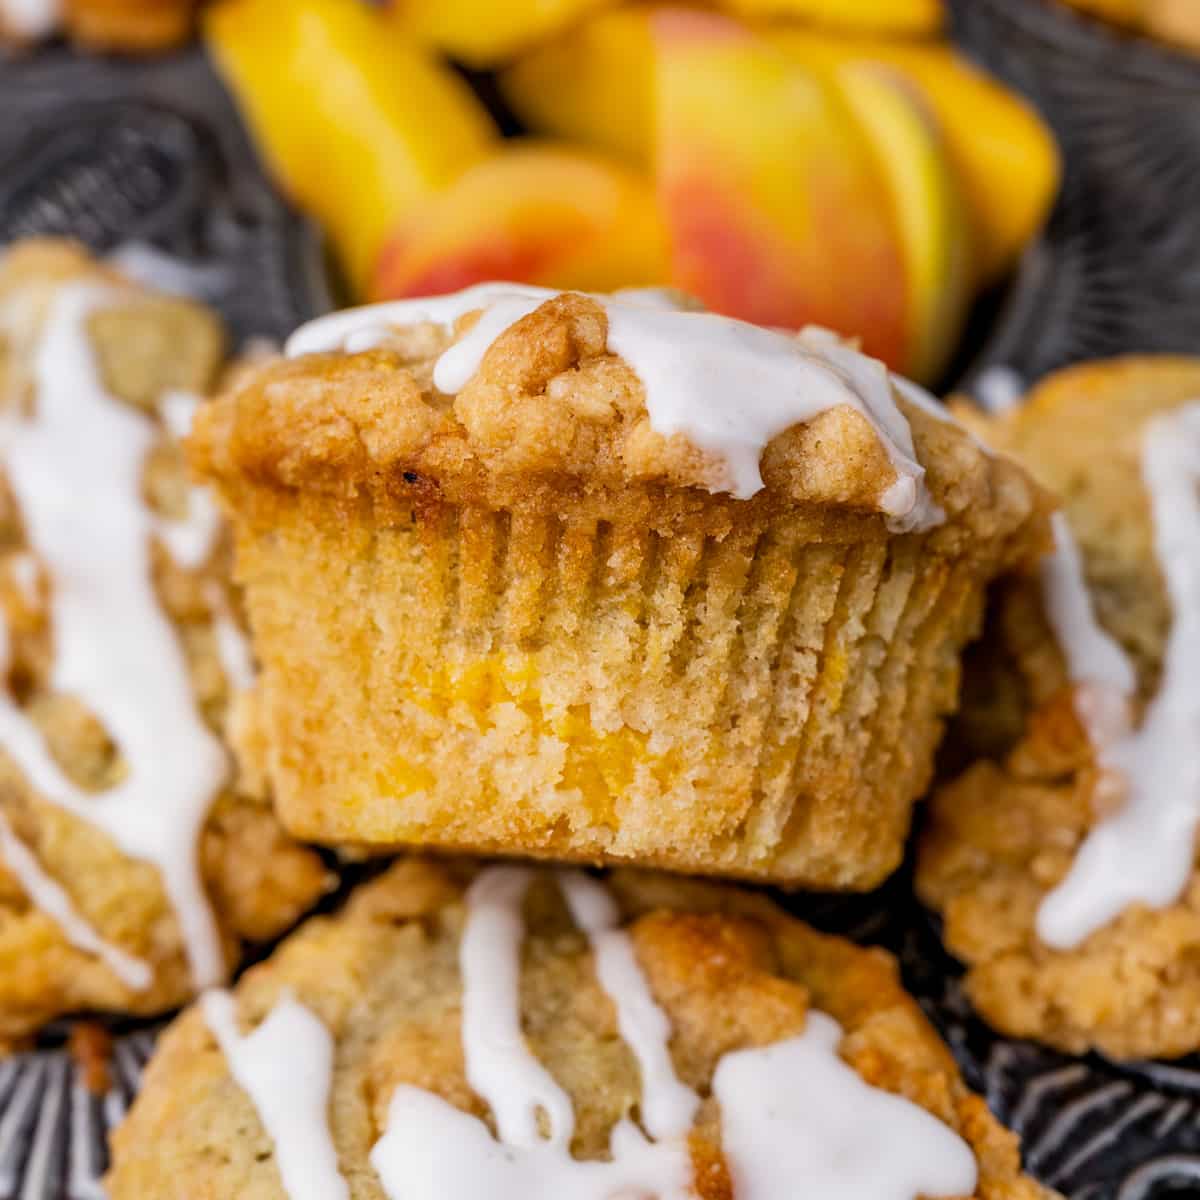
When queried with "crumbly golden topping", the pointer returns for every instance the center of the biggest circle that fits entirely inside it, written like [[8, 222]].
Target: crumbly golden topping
[[729, 969], [551, 413]]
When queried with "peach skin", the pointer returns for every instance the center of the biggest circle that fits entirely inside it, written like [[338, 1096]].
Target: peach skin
[[775, 207], [929, 208], [533, 213], [1003, 152]]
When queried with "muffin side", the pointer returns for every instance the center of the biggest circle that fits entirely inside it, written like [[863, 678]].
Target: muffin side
[[1002, 836], [86, 923], [528, 625]]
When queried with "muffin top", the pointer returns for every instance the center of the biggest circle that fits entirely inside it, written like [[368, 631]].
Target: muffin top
[[1081, 433], [474, 1030], [504, 395], [133, 855], [1066, 872]]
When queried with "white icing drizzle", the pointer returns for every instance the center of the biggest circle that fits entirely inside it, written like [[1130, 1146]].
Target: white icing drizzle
[[189, 541], [233, 648], [798, 1121], [75, 467], [178, 411], [1143, 852], [285, 1067], [729, 387], [434, 1151], [668, 1105], [1104, 677], [792, 1114], [154, 268], [27, 575], [48, 895], [411, 1157], [32, 19], [500, 1066], [999, 389], [177, 408]]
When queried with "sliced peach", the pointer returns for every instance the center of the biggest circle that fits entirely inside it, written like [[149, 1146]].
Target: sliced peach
[[533, 213], [775, 206], [482, 33], [357, 122], [929, 209], [594, 84], [1004, 153]]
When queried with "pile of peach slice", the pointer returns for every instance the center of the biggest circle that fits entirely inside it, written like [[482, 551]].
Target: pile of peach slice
[[786, 161]]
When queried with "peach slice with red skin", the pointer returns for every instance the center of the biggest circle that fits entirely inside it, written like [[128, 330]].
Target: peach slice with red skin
[[773, 199], [1003, 153], [532, 213]]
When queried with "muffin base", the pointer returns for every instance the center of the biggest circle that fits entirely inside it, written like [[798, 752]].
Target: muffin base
[[760, 703]]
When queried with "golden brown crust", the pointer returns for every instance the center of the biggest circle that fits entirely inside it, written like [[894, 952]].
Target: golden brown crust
[[729, 968], [1005, 832], [260, 881], [490, 633]]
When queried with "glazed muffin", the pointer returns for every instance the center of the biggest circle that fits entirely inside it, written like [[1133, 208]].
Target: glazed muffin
[[129, 26], [1176, 22], [1062, 861], [505, 1031], [519, 586], [134, 860]]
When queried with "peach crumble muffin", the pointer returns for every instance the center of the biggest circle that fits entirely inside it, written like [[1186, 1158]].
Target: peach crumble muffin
[[1064, 868], [605, 579], [1176, 22], [504, 1031], [128, 26], [133, 859]]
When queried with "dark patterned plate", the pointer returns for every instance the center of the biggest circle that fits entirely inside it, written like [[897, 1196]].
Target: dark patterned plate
[[153, 154]]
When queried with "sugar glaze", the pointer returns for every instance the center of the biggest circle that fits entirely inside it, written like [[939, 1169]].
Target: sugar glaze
[[75, 465], [792, 1114], [1143, 852], [727, 386]]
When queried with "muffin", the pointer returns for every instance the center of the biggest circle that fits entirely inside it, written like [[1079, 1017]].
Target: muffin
[[129, 26], [1176, 22], [509, 598], [506, 1031], [1062, 861], [134, 859]]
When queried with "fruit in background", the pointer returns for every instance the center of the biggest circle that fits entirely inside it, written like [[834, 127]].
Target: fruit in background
[[929, 209], [906, 18], [594, 84], [532, 213], [482, 33], [775, 207], [358, 124], [1005, 155]]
